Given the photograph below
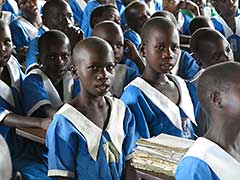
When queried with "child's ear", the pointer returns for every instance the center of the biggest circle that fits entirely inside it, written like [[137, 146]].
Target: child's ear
[[74, 71], [143, 50], [216, 99]]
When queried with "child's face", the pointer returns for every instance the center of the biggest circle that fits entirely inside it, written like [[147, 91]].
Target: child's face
[[171, 5], [111, 15], [162, 50], [214, 53], [97, 72], [61, 18], [56, 59], [225, 6], [5, 46], [29, 7]]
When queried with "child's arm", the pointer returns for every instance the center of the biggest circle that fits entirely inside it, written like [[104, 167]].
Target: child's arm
[[191, 6], [134, 55]]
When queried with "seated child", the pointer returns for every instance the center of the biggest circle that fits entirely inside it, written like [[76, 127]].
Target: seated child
[[57, 14], [91, 137], [227, 23], [161, 102], [91, 5], [186, 67], [216, 155], [103, 13], [112, 33], [200, 22], [6, 16], [136, 14]]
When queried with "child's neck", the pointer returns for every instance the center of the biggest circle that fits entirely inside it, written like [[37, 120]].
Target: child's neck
[[35, 20], [230, 20], [229, 141]]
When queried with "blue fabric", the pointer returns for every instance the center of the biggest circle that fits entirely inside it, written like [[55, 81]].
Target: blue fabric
[[130, 63], [33, 86], [131, 74], [192, 168], [150, 120], [188, 66], [133, 37], [185, 27], [8, 7], [77, 12], [91, 5], [20, 36], [68, 150], [158, 5], [32, 52]]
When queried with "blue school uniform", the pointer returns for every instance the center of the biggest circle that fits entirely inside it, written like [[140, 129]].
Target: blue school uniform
[[91, 5], [23, 32], [123, 76], [134, 37], [32, 52], [10, 101], [155, 5], [79, 149], [7, 17], [187, 67], [232, 37], [183, 23], [77, 11], [130, 63], [39, 86], [155, 113], [11, 6], [206, 160]]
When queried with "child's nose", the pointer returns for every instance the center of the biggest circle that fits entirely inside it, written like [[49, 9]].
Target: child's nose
[[167, 53], [3, 47], [103, 73]]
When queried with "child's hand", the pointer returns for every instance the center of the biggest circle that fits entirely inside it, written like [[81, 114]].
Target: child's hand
[[189, 5], [21, 54], [132, 52], [75, 34]]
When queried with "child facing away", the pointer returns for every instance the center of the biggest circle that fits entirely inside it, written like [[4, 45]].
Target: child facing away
[[91, 137], [161, 102], [216, 155], [227, 23], [200, 22], [58, 15], [112, 33]]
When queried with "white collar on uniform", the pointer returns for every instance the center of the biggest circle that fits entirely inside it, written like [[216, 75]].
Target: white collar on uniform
[[6, 16], [222, 163], [165, 104], [227, 30], [31, 30], [6, 92], [93, 133], [68, 83]]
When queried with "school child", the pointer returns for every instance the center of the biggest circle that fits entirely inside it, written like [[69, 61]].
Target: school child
[[57, 14], [102, 127], [6, 16], [91, 5], [161, 102], [51, 84], [200, 22], [11, 114], [26, 27], [186, 67], [227, 23], [136, 14], [112, 33], [216, 155], [103, 13], [174, 6]]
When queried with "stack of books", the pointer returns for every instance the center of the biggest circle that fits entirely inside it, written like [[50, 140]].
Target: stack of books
[[160, 154]]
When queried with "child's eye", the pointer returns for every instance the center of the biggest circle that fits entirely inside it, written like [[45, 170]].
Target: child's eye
[[159, 47], [119, 46], [8, 42], [65, 56], [228, 49], [175, 48], [93, 68], [110, 67]]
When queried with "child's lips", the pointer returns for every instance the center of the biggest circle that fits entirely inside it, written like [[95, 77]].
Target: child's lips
[[103, 86]]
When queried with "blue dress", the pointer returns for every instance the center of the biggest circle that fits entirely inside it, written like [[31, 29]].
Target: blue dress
[[133, 36], [11, 6], [77, 12], [91, 5], [205, 160], [130, 63], [39, 86], [155, 113], [79, 149], [7, 17], [183, 23]]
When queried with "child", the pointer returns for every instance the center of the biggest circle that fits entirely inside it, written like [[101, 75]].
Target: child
[[227, 23], [112, 33], [161, 102], [216, 155], [200, 22], [91, 5], [6, 16], [57, 14], [103, 13], [77, 7], [51, 83], [136, 14], [90, 137]]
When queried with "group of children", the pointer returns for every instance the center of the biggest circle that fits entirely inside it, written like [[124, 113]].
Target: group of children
[[128, 79]]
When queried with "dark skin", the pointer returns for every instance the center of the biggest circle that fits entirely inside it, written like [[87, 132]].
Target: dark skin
[[224, 114], [162, 53], [60, 17], [227, 9], [12, 119]]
